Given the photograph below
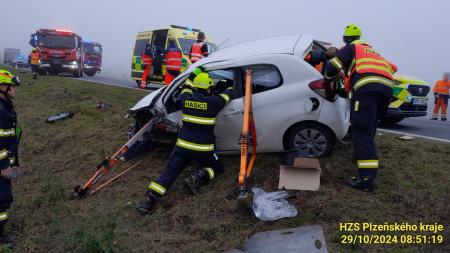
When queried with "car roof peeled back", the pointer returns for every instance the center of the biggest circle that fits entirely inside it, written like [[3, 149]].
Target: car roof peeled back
[[298, 44]]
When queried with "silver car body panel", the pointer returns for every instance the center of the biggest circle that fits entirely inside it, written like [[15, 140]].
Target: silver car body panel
[[275, 110]]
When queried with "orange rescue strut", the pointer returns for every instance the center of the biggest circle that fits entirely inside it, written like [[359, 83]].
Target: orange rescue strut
[[108, 163], [248, 136]]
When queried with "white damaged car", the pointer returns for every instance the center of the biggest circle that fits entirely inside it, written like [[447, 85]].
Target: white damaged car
[[292, 106]]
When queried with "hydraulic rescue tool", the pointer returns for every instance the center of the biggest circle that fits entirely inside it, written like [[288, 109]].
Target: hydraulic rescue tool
[[248, 136], [108, 163]]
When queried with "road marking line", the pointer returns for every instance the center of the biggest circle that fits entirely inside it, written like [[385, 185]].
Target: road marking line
[[415, 135]]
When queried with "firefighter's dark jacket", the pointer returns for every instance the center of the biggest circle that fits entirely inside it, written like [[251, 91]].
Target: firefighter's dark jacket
[[8, 136], [199, 112]]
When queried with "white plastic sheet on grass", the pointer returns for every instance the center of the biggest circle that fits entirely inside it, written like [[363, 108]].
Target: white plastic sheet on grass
[[270, 206]]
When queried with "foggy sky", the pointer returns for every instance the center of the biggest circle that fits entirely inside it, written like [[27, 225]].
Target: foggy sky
[[413, 34]]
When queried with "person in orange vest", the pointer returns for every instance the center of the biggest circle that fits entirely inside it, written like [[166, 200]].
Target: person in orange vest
[[34, 60], [147, 60], [369, 76], [199, 49], [173, 59], [441, 94]]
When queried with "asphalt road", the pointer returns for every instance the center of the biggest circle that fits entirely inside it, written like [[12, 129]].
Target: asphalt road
[[110, 81], [421, 127]]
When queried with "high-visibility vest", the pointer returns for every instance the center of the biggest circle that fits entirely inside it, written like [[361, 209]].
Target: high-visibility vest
[[34, 58], [173, 59], [147, 59], [196, 51], [442, 87], [368, 61]]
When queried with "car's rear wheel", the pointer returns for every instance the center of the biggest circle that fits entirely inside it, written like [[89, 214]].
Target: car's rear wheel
[[315, 139], [391, 120]]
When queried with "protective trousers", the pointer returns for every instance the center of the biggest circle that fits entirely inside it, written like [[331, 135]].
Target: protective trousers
[[6, 199], [367, 108], [178, 160], [440, 103], [147, 71], [34, 70], [170, 75]]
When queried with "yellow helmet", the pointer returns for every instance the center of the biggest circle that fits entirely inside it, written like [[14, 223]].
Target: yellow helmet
[[7, 78], [352, 30], [203, 81]]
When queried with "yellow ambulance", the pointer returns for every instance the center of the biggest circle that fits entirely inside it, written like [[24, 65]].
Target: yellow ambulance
[[159, 40]]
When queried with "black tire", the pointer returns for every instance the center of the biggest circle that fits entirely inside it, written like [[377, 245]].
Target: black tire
[[89, 72], [318, 140], [391, 120]]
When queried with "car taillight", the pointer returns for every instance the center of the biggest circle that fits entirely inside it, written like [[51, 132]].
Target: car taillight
[[323, 88]]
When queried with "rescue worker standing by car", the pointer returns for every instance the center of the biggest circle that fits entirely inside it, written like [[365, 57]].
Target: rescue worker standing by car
[[173, 59], [34, 60], [196, 139], [9, 141], [147, 60], [369, 85], [199, 49], [441, 94]]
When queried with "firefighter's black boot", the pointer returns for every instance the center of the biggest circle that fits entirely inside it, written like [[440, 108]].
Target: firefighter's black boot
[[443, 118], [194, 181], [5, 240], [145, 206], [361, 183]]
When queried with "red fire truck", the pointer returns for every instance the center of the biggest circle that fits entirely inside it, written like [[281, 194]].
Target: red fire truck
[[61, 51], [92, 57]]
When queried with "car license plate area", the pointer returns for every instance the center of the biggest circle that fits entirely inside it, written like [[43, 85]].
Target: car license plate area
[[419, 101]]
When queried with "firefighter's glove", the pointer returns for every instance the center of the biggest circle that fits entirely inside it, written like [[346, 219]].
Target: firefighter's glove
[[331, 52]]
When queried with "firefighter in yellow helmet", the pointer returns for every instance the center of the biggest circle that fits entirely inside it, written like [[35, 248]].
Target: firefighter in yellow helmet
[[9, 142], [368, 84], [196, 138]]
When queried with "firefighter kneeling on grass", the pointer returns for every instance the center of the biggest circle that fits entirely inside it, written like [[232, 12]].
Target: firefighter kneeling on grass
[[9, 141], [369, 83], [195, 139]]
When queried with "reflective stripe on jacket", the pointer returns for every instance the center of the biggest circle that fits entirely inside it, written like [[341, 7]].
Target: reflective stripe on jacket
[[34, 58], [367, 61], [199, 112], [173, 59], [196, 51], [8, 137]]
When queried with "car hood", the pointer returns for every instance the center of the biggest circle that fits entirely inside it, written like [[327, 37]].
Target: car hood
[[298, 44], [408, 79], [146, 101]]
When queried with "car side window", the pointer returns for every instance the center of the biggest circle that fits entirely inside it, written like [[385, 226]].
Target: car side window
[[264, 77], [223, 79]]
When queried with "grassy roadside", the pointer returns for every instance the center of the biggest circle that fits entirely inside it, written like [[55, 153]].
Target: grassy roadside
[[413, 185]]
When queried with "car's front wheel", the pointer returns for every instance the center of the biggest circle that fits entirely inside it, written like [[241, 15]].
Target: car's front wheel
[[313, 138]]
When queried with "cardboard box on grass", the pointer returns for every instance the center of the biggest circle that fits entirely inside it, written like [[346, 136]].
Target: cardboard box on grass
[[303, 174]]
